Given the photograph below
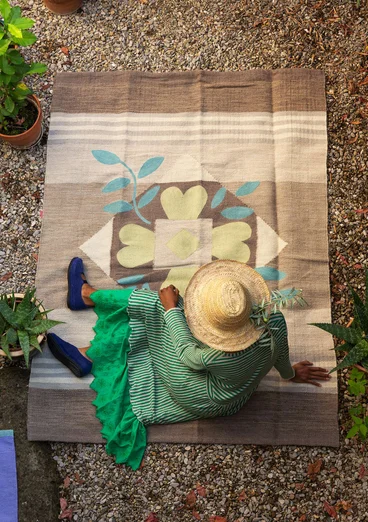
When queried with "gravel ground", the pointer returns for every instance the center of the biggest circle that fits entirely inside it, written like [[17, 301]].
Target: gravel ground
[[178, 482]]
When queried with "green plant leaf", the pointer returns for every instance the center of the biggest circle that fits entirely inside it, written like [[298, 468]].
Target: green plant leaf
[[344, 347], [8, 314], [357, 420], [21, 91], [5, 10], [12, 336], [4, 44], [9, 104], [359, 352], [15, 57], [5, 79], [39, 327], [5, 346], [23, 23], [366, 291], [3, 324], [15, 14], [5, 65], [352, 432], [15, 31], [363, 431], [27, 39], [360, 310], [37, 68], [33, 341], [24, 344], [347, 334]]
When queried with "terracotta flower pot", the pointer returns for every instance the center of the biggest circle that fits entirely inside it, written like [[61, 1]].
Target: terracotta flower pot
[[30, 137], [18, 352], [63, 7]]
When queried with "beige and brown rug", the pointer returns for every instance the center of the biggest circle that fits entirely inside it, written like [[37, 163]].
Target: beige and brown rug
[[149, 176]]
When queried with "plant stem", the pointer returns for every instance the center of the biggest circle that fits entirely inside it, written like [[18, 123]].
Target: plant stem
[[135, 194]]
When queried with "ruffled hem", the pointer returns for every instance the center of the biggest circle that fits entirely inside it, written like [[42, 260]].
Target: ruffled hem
[[125, 434]]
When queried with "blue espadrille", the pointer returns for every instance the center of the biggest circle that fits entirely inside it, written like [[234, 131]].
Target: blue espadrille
[[69, 355], [75, 283]]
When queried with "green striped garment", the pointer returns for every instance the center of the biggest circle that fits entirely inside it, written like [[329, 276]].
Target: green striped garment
[[174, 377]]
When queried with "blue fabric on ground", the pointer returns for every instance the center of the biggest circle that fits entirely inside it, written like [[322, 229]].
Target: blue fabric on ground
[[8, 478]]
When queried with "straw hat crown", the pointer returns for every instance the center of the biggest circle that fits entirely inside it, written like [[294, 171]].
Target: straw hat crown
[[218, 303]]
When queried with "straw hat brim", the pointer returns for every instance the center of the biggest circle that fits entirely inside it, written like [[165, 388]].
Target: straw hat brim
[[201, 326]]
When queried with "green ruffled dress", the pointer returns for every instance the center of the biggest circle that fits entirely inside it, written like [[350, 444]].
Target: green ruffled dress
[[125, 434]]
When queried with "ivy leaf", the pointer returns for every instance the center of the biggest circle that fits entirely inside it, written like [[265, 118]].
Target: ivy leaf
[[106, 157], [218, 197], [116, 184], [150, 166], [247, 188], [118, 206], [237, 212], [148, 196]]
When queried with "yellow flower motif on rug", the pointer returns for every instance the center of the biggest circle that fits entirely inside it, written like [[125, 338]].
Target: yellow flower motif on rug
[[184, 241]]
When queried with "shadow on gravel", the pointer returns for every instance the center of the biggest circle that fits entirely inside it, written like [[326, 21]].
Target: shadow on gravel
[[38, 479]]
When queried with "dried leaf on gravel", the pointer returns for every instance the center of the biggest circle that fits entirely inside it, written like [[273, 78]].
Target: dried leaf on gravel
[[66, 513], [362, 472], [303, 518], [196, 515], [364, 82], [343, 505], [361, 211], [7, 276], [216, 518], [201, 490], [191, 499], [152, 518], [64, 50], [66, 482], [330, 509], [315, 467], [242, 496]]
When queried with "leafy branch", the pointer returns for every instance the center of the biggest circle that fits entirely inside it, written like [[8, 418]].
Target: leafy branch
[[148, 167], [261, 312]]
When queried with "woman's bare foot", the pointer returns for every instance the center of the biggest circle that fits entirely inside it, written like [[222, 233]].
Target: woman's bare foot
[[87, 290], [83, 352]]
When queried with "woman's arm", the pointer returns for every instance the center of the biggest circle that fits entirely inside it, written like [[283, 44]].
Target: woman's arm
[[185, 344]]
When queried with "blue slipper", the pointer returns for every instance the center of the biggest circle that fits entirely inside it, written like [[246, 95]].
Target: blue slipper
[[69, 355], [75, 283]]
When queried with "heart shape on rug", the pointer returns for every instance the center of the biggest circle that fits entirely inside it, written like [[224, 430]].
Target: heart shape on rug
[[141, 246], [227, 241], [184, 206]]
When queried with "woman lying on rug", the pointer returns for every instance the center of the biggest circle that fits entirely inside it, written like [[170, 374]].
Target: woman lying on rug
[[158, 361]]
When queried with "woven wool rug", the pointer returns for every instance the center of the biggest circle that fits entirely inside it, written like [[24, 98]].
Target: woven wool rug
[[149, 176]]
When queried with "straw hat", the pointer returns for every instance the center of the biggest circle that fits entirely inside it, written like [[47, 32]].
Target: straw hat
[[218, 302]]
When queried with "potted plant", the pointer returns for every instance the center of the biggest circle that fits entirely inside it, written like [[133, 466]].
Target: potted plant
[[20, 110], [355, 337], [23, 324], [63, 7]]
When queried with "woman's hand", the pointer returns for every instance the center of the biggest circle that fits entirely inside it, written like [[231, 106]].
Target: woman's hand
[[305, 372], [169, 297]]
